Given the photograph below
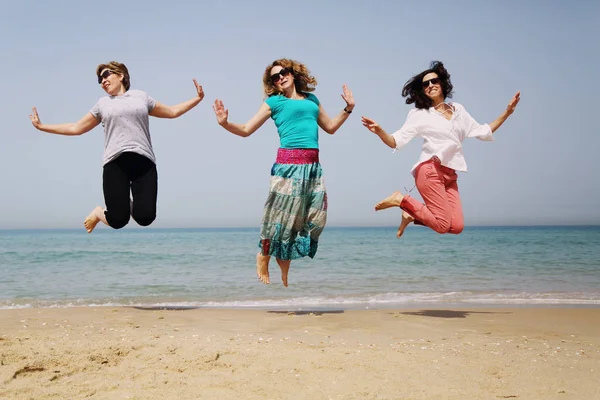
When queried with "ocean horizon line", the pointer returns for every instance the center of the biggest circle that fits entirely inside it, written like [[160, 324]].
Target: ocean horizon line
[[250, 228]]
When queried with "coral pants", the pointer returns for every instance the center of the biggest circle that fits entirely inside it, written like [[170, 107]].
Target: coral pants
[[442, 210]]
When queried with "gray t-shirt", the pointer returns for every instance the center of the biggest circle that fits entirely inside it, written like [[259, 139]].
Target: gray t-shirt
[[126, 124]]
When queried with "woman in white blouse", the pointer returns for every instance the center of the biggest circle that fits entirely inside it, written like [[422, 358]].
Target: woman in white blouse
[[443, 127]]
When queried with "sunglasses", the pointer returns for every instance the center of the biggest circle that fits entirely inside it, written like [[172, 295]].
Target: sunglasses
[[105, 75], [277, 76], [433, 81]]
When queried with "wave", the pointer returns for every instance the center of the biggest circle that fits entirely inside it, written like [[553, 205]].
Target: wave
[[373, 301]]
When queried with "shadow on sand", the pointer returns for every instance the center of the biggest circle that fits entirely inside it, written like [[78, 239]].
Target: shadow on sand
[[308, 312], [186, 308], [448, 313], [166, 308]]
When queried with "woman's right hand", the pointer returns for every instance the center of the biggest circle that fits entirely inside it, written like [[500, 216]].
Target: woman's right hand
[[220, 112], [371, 125], [512, 104], [35, 118]]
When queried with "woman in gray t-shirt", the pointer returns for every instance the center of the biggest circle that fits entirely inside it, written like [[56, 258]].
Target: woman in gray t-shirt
[[129, 162]]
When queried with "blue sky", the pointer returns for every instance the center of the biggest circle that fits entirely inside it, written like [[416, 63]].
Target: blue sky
[[541, 169]]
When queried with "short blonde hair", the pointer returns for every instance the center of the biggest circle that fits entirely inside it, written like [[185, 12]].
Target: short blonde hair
[[117, 67], [303, 80]]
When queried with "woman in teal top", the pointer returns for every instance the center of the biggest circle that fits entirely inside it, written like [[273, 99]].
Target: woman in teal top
[[296, 121], [296, 209]]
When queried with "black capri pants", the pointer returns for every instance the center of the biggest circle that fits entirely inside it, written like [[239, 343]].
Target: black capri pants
[[130, 172]]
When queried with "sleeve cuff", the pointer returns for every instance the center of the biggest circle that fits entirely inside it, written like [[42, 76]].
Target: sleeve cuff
[[487, 133], [399, 144]]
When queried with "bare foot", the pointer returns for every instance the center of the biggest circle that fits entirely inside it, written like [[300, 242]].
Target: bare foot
[[406, 219], [262, 268], [285, 268], [392, 200], [92, 220]]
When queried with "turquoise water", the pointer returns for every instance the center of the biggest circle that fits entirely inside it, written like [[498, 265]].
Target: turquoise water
[[354, 268]]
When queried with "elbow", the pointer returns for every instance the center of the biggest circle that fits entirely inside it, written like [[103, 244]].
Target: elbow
[[172, 113], [330, 130], [75, 131], [246, 133]]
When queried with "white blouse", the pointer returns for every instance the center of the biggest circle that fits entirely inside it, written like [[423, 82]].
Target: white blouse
[[442, 137]]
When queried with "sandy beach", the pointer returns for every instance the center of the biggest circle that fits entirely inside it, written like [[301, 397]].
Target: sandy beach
[[129, 353]]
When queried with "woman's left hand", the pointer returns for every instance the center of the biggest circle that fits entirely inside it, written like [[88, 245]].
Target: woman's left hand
[[199, 89], [348, 98], [35, 118], [512, 104]]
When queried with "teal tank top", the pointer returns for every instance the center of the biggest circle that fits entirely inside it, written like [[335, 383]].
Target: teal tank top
[[296, 121]]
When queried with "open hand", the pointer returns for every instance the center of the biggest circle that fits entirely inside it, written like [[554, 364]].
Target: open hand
[[512, 104], [221, 113], [35, 118], [199, 89], [348, 97], [371, 125]]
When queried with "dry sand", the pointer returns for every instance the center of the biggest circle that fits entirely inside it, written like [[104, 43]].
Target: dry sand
[[128, 353]]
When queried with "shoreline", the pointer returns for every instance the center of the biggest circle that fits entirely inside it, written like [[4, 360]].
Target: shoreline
[[407, 353], [184, 306]]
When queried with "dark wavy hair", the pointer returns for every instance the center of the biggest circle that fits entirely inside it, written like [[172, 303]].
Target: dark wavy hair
[[413, 88]]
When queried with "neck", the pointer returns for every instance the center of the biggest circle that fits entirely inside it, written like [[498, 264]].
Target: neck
[[291, 92], [437, 101], [119, 92]]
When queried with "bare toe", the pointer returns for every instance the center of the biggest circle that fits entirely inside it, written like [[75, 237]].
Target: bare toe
[[392, 200], [284, 265], [92, 220], [406, 220], [262, 268]]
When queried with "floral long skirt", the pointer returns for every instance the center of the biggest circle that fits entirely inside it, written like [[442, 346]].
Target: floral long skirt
[[295, 212]]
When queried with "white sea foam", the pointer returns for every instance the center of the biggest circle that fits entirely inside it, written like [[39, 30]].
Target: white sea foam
[[387, 300]]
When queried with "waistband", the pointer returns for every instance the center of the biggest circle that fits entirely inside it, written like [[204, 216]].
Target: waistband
[[297, 156], [438, 162]]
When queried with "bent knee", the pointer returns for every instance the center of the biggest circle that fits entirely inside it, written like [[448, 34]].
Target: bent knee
[[456, 229], [117, 223], [144, 219]]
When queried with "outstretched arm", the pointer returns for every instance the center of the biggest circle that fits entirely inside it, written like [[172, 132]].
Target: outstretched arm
[[330, 125], [243, 130], [163, 111], [512, 104], [379, 131], [80, 127]]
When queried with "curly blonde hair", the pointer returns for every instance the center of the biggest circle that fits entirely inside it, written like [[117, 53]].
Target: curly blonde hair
[[303, 80], [117, 67]]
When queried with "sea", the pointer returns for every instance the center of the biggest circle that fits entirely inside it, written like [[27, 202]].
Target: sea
[[355, 268]]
